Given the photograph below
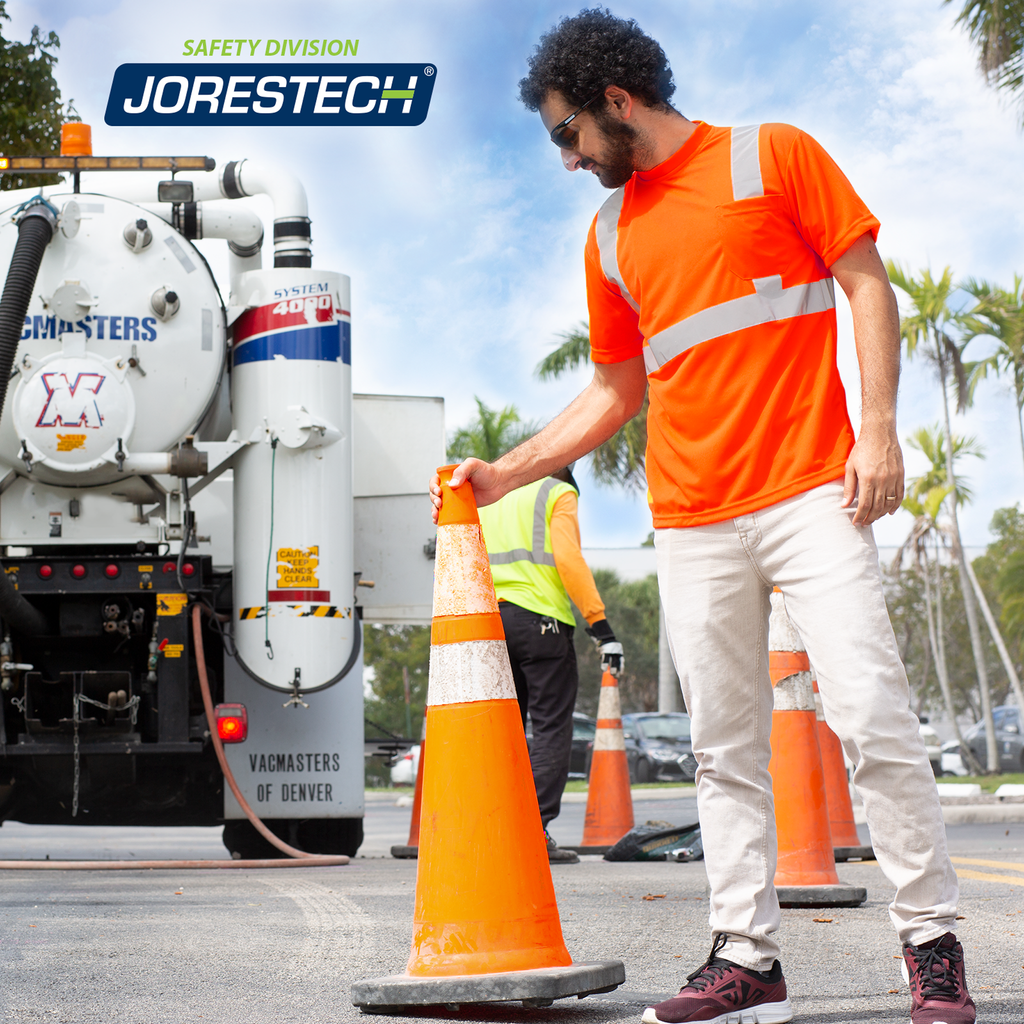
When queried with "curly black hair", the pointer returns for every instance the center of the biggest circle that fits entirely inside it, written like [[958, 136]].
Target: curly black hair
[[583, 55]]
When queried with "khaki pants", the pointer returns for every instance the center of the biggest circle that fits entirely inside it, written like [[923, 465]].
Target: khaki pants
[[715, 583]]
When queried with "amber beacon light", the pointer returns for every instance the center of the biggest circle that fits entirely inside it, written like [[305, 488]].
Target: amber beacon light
[[75, 139]]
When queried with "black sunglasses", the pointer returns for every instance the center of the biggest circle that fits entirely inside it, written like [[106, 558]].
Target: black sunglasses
[[566, 137]]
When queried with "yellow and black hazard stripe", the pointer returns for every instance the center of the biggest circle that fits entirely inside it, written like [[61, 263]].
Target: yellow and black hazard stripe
[[317, 611]]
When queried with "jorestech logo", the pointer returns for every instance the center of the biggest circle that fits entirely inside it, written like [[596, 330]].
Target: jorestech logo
[[271, 94]]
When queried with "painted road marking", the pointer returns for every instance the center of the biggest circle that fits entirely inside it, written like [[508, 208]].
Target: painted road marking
[[980, 876]]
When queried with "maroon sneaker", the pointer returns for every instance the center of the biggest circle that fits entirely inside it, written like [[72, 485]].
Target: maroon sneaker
[[935, 974], [722, 992]]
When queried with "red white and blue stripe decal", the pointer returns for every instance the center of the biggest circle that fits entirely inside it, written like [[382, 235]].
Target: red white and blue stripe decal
[[309, 327]]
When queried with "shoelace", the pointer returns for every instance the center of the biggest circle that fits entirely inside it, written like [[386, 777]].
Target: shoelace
[[936, 972], [712, 969]]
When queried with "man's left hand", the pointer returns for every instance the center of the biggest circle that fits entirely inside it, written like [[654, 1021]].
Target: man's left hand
[[874, 474]]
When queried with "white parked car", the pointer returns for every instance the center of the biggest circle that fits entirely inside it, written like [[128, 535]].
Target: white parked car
[[952, 762], [932, 744], [403, 772]]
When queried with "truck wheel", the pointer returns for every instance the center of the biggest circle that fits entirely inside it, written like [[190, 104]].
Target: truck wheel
[[331, 835], [317, 835], [243, 842]]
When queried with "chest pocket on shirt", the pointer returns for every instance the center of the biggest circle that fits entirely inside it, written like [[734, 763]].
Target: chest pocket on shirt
[[758, 237]]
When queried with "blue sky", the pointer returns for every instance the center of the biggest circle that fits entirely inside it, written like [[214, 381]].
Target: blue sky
[[463, 237]]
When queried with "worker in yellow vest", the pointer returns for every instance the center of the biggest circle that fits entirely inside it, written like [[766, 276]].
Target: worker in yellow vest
[[533, 544]]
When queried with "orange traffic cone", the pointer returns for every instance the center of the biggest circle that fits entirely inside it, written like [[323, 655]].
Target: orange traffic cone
[[486, 924], [846, 844], [609, 800], [411, 851], [806, 871]]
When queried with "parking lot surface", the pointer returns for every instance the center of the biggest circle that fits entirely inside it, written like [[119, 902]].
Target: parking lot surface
[[285, 945]]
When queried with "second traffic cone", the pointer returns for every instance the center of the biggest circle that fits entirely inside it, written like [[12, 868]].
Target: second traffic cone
[[486, 924], [806, 871], [609, 799], [411, 851], [846, 844]]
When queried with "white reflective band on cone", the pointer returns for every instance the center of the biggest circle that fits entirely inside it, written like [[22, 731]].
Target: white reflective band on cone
[[769, 302], [609, 739], [462, 575], [794, 693], [819, 707], [782, 634], [608, 703], [471, 671]]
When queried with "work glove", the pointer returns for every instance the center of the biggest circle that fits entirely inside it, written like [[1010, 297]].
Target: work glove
[[612, 659]]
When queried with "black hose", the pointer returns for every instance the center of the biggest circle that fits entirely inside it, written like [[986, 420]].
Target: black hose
[[35, 229]]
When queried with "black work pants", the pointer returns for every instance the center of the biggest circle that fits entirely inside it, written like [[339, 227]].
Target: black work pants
[[544, 669]]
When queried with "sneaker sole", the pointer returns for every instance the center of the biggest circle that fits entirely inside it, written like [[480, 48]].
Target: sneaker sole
[[766, 1013]]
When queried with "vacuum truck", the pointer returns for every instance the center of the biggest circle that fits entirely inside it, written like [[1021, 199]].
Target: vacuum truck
[[168, 457]]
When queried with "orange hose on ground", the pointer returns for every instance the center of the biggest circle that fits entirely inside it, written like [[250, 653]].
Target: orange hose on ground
[[211, 721]]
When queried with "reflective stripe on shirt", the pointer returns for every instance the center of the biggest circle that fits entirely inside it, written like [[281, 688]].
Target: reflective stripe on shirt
[[745, 160], [770, 300], [538, 555]]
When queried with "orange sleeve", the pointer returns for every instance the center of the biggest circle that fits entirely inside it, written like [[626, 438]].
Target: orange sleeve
[[573, 570], [614, 327], [827, 211]]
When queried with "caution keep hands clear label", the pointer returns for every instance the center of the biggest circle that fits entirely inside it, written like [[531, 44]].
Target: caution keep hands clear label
[[297, 568]]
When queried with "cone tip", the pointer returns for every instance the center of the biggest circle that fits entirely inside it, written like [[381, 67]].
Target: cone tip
[[458, 505]]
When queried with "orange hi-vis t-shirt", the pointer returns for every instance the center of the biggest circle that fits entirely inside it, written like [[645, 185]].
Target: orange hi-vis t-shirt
[[714, 266]]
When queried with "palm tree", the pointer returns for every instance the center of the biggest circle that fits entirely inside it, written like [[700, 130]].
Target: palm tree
[[492, 434], [924, 499], [620, 460], [925, 332], [996, 27], [1000, 314]]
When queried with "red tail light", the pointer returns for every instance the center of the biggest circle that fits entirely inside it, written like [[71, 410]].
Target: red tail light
[[232, 722]]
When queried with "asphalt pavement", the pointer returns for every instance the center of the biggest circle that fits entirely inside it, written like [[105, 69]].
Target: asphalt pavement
[[285, 945]]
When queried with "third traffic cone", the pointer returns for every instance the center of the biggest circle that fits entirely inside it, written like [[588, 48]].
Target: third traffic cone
[[806, 870], [609, 800], [486, 924], [846, 844]]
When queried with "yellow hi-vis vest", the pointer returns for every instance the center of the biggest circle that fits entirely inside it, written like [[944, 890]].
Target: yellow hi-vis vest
[[517, 532]]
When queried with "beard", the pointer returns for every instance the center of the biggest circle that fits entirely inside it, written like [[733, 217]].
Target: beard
[[621, 151]]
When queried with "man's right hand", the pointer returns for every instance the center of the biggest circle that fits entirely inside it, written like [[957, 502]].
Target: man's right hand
[[485, 479]]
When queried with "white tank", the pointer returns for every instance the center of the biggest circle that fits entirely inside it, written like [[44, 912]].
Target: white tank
[[123, 345], [292, 399]]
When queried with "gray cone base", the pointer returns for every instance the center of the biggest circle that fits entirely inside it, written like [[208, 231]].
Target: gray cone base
[[587, 849], [533, 988], [842, 853], [405, 852], [821, 895]]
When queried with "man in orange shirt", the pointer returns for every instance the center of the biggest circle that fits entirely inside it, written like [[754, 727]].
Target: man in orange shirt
[[710, 281]]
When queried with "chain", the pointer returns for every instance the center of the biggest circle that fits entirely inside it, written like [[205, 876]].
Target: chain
[[132, 705], [74, 796], [19, 703]]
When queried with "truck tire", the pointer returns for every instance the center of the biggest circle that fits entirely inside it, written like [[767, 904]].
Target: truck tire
[[316, 835]]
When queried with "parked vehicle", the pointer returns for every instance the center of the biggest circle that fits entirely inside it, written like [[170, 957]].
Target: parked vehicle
[[932, 744], [403, 771], [1009, 739], [658, 747], [584, 728], [952, 763]]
